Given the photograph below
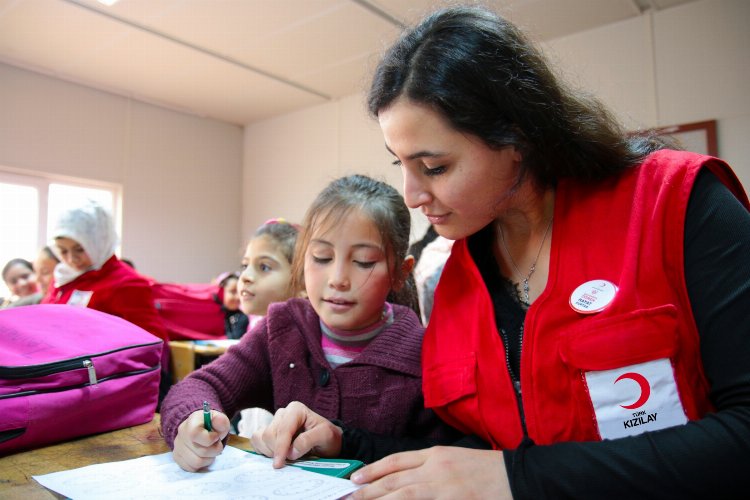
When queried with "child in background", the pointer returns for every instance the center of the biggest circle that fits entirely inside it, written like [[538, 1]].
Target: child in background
[[344, 351], [267, 268], [235, 321], [20, 279], [266, 278], [44, 267]]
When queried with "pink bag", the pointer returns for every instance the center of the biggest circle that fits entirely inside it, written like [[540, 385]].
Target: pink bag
[[70, 371], [190, 311]]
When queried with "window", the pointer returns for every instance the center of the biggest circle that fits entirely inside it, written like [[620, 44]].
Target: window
[[30, 204]]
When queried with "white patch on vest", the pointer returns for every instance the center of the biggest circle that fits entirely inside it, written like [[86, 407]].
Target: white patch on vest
[[80, 298], [635, 399]]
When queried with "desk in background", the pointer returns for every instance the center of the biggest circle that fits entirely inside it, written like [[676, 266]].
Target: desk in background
[[187, 355], [16, 469]]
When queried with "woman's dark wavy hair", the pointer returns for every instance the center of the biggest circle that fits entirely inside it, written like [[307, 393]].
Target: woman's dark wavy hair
[[487, 79], [380, 202]]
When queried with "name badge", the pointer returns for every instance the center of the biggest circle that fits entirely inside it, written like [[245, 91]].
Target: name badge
[[80, 298], [593, 296]]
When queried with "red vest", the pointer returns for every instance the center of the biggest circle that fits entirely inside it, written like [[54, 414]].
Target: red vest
[[628, 231]]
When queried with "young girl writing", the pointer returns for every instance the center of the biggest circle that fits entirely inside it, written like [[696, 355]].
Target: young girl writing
[[346, 351]]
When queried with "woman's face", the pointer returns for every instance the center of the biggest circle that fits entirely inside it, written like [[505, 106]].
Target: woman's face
[[21, 280], [73, 254], [459, 182]]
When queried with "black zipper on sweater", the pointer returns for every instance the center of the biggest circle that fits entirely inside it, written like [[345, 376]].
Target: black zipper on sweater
[[515, 379]]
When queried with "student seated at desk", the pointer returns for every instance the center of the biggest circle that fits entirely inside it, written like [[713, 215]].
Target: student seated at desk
[[235, 320], [350, 351]]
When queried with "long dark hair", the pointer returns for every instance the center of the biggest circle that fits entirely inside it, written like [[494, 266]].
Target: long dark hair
[[384, 205], [487, 79]]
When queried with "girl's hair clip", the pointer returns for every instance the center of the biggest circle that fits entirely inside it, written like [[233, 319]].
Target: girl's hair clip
[[281, 220], [277, 220]]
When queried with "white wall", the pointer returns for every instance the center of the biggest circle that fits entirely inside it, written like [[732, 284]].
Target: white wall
[[180, 174], [679, 65], [289, 159]]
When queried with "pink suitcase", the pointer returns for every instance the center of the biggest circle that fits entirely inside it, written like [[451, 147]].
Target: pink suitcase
[[68, 371]]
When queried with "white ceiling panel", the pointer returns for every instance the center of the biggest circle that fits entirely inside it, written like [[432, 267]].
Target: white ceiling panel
[[245, 60]]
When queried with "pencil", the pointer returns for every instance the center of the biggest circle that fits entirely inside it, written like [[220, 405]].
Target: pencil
[[207, 416]]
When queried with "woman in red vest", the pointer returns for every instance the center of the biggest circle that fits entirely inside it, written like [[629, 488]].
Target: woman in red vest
[[91, 275], [590, 328]]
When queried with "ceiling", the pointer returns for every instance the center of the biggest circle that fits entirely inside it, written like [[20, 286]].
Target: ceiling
[[241, 61]]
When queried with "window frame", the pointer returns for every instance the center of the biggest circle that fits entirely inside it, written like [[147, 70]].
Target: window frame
[[42, 180]]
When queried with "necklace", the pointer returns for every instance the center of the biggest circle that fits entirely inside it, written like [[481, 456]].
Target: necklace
[[525, 280]]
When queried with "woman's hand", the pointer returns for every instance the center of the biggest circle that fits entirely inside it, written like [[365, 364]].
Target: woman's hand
[[194, 446], [295, 431], [439, 472]]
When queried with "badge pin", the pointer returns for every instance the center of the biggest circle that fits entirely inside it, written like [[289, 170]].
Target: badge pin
[[593, 296]]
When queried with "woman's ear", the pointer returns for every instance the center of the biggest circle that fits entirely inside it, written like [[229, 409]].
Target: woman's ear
[[406, 267]]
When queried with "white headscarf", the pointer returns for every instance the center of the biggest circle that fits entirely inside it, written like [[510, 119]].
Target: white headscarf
[[92, 226]]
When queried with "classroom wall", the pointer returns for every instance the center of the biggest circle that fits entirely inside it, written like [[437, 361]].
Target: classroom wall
[[289, 159], [679, 65], [180, 174]]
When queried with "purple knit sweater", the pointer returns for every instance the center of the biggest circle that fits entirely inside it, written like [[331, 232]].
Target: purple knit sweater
[[281, 360]]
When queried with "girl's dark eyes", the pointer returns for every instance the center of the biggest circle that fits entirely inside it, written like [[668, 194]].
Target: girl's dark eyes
[[397, 163], [365, 265], [264, 268]]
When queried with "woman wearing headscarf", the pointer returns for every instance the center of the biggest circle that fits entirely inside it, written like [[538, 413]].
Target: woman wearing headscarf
[[91, 275]]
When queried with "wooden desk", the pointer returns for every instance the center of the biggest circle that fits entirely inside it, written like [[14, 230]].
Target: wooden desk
[[134, 442], [183, 356]]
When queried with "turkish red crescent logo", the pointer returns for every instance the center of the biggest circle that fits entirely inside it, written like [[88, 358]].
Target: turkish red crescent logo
[[645, 389]]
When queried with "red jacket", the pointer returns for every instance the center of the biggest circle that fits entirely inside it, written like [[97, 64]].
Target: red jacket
[[633, 367], [115, 289]]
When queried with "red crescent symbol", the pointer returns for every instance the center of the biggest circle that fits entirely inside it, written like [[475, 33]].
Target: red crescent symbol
[[645, 389]]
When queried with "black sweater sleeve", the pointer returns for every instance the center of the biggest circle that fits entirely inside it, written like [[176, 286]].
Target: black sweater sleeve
[[368, 447], [708, 458]]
